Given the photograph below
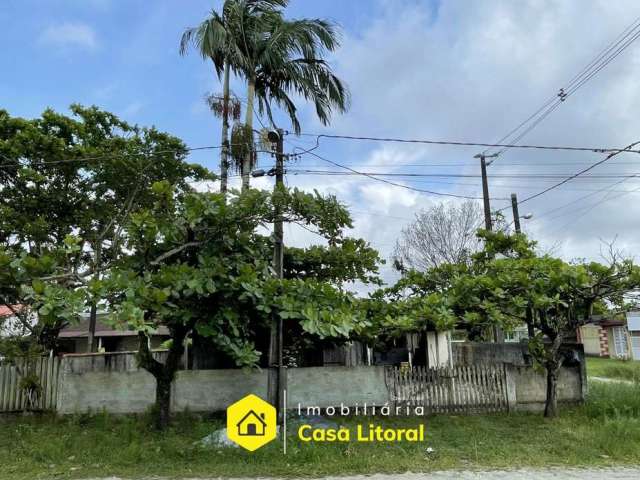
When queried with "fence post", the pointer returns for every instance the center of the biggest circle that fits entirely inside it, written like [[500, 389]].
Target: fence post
[[510, 386]]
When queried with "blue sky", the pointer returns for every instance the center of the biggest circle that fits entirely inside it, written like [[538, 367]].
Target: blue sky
[[450, 70], [123, 56]]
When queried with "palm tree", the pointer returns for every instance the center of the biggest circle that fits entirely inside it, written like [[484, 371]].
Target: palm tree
[[277, 58], [283, 57], [290, 61], [212, 39]]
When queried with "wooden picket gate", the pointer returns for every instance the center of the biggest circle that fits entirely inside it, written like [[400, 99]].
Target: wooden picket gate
[[13, 398], [462, 389]]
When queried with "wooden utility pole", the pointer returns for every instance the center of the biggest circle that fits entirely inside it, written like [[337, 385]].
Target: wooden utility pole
[[485, 188], [278, 260], [516, 223], [498, 334], [93, 313], [516, 215]]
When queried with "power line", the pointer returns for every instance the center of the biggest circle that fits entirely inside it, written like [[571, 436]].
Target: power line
[[345, 137], [607, 188], [444, 194], [456, 175], [592, 207], [121, 156], [466, 144], [577, 81], [568, 179]]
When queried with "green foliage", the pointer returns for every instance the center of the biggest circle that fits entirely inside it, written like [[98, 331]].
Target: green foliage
[[345, 260], [68, 187], [507, 284], [199, 264], [613, 368]]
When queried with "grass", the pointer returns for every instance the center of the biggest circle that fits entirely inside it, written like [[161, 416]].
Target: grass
[[604, 431], [612, 368]]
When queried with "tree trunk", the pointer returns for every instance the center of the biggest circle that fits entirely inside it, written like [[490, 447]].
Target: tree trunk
[[529, 321], [163, 401], [93, 314], [164, 373], [551, 405], [248, 160], [553, 364], [224, 155]]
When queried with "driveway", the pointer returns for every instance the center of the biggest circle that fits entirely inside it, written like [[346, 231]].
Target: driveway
[[525, 474]]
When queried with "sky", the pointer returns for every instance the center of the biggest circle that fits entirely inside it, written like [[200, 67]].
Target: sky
[[423, 69]]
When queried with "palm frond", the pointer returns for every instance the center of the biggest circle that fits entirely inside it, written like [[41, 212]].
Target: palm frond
[[216, 104]]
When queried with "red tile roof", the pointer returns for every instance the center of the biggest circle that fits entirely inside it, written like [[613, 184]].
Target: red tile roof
[[5, 311]]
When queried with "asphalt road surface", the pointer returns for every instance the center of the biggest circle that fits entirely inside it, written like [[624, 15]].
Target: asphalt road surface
[[525, 474]]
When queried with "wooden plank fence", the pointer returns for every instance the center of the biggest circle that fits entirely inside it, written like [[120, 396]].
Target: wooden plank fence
[[13, 398], [461, 389]]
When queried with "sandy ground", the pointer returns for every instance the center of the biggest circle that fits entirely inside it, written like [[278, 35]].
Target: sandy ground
[[525, 474]]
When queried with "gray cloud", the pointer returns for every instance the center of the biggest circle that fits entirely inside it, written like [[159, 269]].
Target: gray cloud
[[472, 71]]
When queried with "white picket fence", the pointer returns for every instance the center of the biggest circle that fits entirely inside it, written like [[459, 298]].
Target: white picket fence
[[14, 399], [461, 389]]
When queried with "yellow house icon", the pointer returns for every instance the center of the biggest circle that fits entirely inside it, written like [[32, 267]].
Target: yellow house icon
[[251, 422]]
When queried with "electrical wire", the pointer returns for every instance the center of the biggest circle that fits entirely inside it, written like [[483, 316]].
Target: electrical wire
[[465, 144], [457, 175], [568, 179], [419, 190], [615, 48]]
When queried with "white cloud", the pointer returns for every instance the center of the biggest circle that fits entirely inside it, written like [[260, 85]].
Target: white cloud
[[69, 35], [132, 109], [472, 71]]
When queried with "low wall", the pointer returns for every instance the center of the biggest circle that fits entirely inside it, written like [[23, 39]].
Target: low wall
[[117, 385], [531, 387], [331, 386], [474, 353], [215, 390]]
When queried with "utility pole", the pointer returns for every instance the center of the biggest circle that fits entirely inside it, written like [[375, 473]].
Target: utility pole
[[278, 260], [498, 334], [516, 223], [516, 215], [485, 188]]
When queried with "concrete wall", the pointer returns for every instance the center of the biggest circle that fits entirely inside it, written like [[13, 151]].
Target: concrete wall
[[474, 353], [531, 387], [121, 392], [114, 383], [215, 390], [326, 386]]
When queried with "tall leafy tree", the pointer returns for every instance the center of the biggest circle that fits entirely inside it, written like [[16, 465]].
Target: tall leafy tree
[[197, 264], [68, 185], [508, 283]]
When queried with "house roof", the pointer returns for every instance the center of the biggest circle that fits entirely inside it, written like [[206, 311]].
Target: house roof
[[81, 330], [5, 311], [251, 412], [607, 321]]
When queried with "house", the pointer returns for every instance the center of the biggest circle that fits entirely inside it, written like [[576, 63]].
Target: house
[[605, 336], [633, 327], [252, 424], [517, 334], [74, 338]]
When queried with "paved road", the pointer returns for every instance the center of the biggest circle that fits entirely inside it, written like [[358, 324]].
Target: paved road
[[546, 474]]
